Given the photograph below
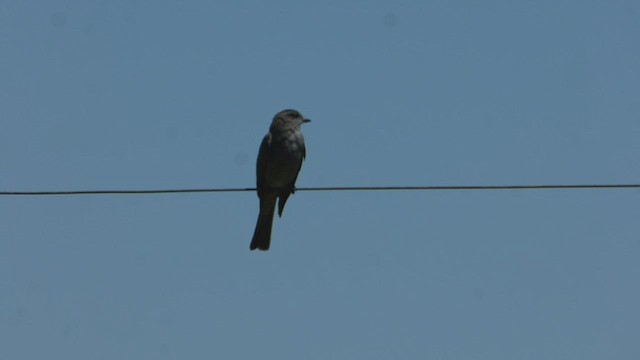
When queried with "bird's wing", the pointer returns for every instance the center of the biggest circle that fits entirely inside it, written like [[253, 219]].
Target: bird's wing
[[261, 164]]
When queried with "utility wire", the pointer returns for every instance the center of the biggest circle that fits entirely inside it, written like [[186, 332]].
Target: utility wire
[[335, 188]]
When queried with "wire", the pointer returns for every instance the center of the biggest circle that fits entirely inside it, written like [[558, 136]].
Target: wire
[[335, 188]]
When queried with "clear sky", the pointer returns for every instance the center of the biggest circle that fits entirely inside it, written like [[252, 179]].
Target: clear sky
[[160, 94]]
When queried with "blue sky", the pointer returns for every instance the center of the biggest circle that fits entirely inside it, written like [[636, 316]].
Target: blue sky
[[156, 94]]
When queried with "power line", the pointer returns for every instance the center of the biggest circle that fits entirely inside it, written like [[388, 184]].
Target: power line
[[334, 188]]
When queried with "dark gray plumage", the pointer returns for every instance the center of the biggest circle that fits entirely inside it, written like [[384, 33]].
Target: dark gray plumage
[[279, 161]]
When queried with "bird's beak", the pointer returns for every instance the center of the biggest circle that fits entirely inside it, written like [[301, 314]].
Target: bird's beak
[[306, 120]]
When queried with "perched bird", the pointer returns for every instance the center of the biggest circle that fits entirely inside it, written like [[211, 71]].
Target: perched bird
[[279, 161]]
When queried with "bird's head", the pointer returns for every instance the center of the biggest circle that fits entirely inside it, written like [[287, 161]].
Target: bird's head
[[289, 117]]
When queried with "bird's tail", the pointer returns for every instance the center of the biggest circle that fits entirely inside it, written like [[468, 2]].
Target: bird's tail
[[262, 235]]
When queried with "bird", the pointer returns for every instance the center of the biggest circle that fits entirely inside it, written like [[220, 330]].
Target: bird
[[279, 161]]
